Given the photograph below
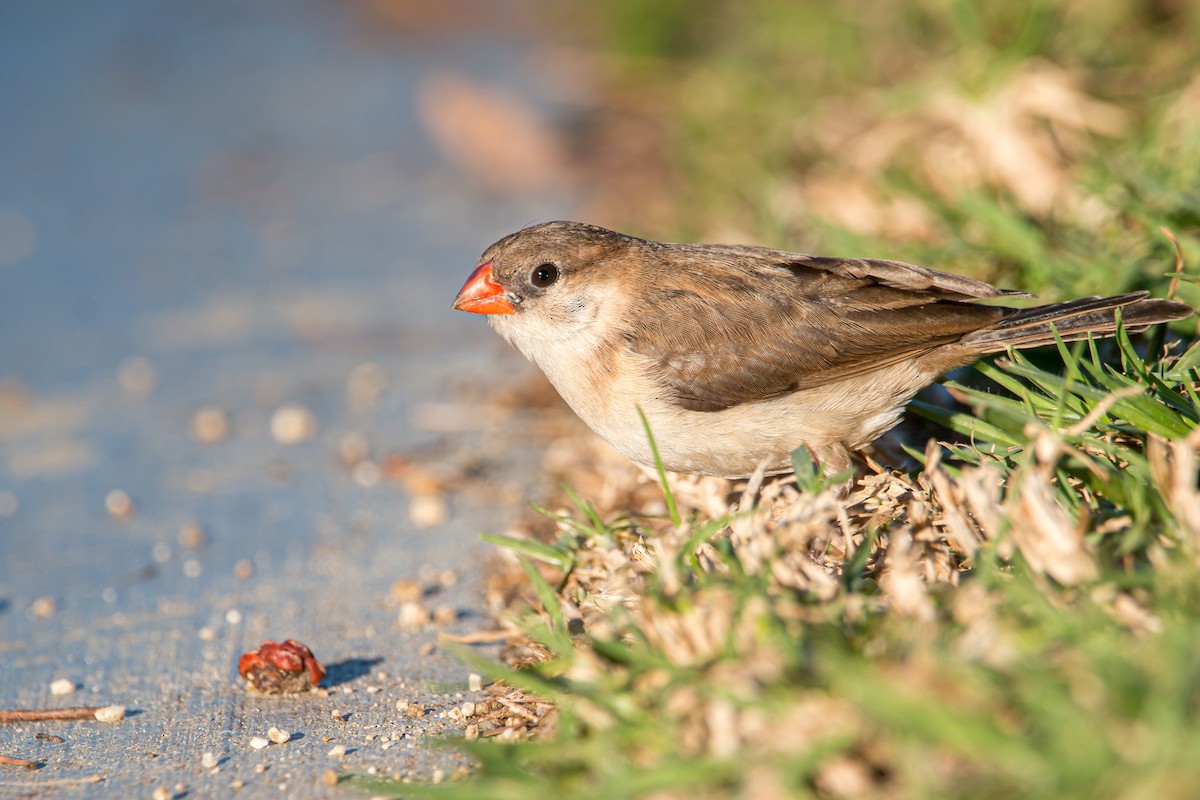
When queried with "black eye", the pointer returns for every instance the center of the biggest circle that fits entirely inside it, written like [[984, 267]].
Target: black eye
[[544, 275]]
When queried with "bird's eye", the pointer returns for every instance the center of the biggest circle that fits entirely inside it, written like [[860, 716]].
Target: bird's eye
[[543, 275]]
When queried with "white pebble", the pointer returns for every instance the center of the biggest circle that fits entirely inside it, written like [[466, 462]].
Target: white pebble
[[259, 742], [427, 510], [119, 504], [277, 736], [293, 424], [412, 615], [208, 760], [62, 686], [110, 714]]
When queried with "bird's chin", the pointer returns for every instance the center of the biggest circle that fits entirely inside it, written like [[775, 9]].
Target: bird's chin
[[503, 324]]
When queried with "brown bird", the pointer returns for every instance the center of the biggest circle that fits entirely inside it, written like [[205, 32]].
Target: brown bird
[[737, 355]]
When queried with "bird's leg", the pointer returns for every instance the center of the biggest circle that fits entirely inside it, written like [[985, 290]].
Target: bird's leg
[[835, 460]]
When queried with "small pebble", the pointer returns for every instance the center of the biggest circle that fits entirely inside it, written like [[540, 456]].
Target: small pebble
[[471, 733], [44, 607], [243, 570], [62, 686], [260, 768], [191, 536], [119, 505], [445, 615], [427, 510], [209, 425], [439, 775], [413, 615], [208, 760], [233, 616], [207, 633], [407, 591], [468, 709], [415, 711], [329, 777], [474, 682], [337, 751], [162, 793], [277, 736], [110, 714], [259, 742], [293, 424], [237, 784]]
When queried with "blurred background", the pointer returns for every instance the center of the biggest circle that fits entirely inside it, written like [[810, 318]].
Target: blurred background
[[1040, 143], [230, 233]]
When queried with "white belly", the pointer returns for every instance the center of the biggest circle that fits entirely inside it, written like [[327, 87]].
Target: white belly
[[606, 389]]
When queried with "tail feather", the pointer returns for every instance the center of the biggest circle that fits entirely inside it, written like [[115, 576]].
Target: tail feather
[[1057, 311], [1074, 320]]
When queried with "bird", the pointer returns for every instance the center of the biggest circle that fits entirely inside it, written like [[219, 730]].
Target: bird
[[737, 355]]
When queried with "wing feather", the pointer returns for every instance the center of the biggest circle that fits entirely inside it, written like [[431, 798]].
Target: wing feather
[[786, 322]]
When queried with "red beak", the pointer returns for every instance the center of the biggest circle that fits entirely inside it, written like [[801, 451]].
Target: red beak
[[481, 295]]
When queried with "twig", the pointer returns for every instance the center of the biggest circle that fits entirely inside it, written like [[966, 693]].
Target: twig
[[518, 709], [480, 637], [500, 731], [41, 714], [18, 762], [56, 781]]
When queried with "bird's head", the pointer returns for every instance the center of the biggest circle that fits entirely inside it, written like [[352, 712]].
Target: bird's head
[[547, 280]]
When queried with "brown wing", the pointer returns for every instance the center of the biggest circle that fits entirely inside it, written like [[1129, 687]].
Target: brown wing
[[794, 322]]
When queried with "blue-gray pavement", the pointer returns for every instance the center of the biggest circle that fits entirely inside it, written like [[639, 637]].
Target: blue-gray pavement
[[231, 204]]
